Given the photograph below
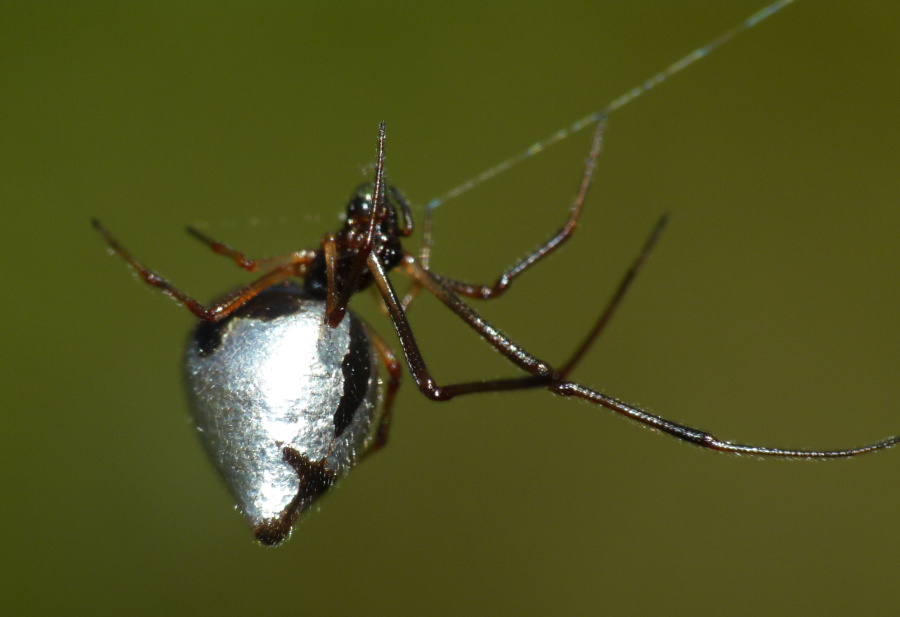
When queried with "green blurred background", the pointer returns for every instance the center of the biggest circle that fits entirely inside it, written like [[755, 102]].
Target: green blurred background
[[768, 313]]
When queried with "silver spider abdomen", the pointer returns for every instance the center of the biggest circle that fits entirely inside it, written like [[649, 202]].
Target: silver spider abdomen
[[285, 405]]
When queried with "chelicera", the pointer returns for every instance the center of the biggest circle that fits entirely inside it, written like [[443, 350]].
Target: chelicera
[[281, 439]]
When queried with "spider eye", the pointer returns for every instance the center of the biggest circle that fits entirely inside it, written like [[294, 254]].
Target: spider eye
[[360, 206]]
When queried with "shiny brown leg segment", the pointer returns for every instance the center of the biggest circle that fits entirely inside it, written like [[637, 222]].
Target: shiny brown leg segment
[[224, 307], [486, 292], [386, 354], [239, 258]]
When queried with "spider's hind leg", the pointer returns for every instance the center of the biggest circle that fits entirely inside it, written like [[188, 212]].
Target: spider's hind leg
[[238, 257], [225, 306]]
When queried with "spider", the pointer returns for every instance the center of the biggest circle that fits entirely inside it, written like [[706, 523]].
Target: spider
[[283, 379]]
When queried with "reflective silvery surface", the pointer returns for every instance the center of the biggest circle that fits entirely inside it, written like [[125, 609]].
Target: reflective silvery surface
[[284, 404]]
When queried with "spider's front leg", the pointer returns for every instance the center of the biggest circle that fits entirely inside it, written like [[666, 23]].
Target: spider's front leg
[[503, 282]]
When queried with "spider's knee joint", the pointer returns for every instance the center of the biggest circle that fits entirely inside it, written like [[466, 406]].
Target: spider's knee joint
[[563, 388]]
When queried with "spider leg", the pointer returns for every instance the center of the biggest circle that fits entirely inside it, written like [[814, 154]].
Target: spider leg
[[405, 210], [424, 258], [389, 359], [410, 296], [329, 248], [616, 298], [225, 306], [486, 292], [239, 258], [542, 375], [702, 438], [336, 309]]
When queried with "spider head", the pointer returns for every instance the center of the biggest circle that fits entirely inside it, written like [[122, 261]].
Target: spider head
[[361, 215], [362, 212]]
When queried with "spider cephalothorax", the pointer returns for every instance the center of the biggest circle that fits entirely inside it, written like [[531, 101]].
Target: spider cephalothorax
[[351, 239]]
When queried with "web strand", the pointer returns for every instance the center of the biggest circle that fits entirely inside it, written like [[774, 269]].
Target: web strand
[[615, 105]]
